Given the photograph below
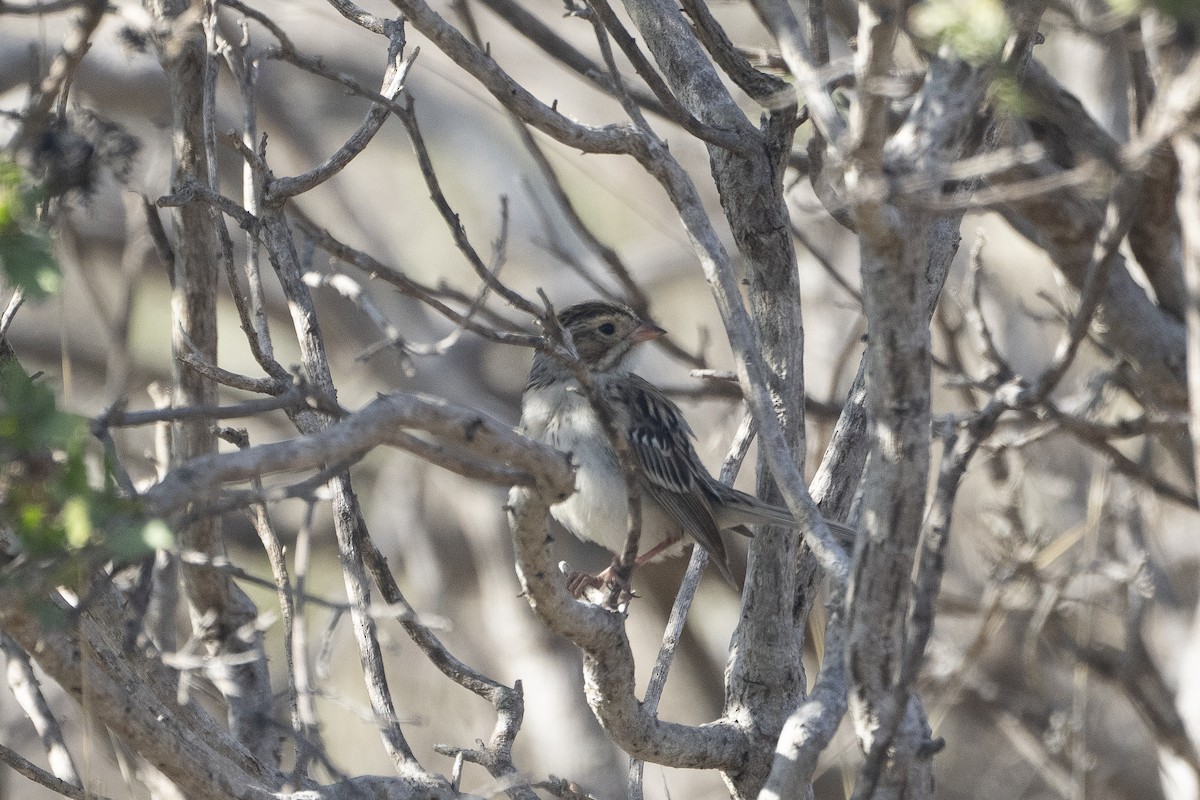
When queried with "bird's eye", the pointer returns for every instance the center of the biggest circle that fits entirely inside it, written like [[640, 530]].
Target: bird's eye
[[608, 329]]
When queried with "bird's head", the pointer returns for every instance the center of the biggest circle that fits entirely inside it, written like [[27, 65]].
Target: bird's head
[[605, 332]]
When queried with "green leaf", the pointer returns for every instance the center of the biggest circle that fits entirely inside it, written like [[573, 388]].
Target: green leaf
[[40, 533], [1010, 98], [32, 516], [156, 535], [29, 415], [975, 30], [74, 476], [10, 174], [77, 521], [47, 612], [60, 507], [10, 207], [29, 263], [135, 541]]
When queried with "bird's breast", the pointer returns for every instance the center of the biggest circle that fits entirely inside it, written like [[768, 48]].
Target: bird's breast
[[598, 510], [559, 417]]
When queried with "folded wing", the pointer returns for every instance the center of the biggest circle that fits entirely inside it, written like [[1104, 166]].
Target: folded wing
[[674, 476]]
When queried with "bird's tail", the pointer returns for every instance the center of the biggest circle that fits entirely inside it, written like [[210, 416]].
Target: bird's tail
[[753, 510], [721, 562]]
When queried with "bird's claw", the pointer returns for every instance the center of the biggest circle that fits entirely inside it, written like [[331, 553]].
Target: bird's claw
[[580, 582], [597, 588]]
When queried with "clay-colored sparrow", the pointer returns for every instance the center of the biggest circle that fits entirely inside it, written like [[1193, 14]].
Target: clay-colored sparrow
[[680, 499]]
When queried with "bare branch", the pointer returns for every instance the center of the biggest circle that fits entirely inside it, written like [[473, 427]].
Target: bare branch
[[533, 29], [768, 90], [608, 668], [136, 697], [1066, 226], [190, 192], [118, 418], [38, 775], [678, 114], [280, 189], [41, 7], [58, 77], [1116, 225], [432, 297], [738, 449], [383, 421], [1187, 149], [811, 727], [509, 93], [509, 703], [28, 693], [10, 311], [452, 219], [379, 25], [782, 22]]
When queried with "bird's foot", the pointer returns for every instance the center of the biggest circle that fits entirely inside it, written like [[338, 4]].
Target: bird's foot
[[617, 584], [606, 587], [580, 582]]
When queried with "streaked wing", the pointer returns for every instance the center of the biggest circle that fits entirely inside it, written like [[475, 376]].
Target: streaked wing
[[673, 474]]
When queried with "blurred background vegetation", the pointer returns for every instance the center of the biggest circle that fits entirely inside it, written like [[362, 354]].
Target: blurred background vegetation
[[1041, 520]]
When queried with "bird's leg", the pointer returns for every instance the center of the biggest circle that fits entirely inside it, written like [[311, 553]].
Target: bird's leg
[[619, 580], [580, 582], [649, 555]]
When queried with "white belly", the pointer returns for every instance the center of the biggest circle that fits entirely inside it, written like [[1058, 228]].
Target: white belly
[[598, 510]]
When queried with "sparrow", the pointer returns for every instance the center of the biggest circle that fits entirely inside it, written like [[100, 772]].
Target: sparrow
[[681, 501]]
